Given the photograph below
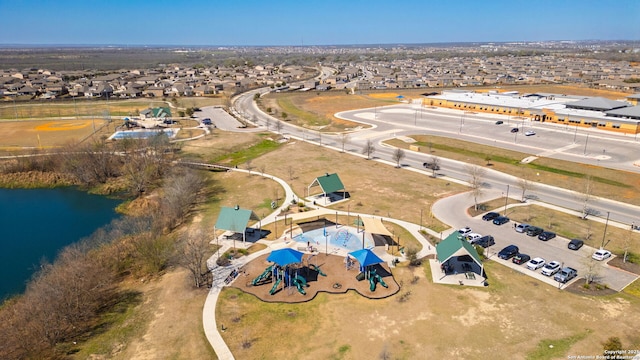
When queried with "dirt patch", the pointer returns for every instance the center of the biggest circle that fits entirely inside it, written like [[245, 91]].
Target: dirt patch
[[626, 266], [594, 289]]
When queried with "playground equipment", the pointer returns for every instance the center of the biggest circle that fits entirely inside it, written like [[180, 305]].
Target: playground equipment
[[317, 268], [266, 274], [300, 283], [374, 279], [275, 286]]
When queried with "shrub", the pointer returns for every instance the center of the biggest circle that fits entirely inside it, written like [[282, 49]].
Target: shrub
[[411, 252], [613, 343]]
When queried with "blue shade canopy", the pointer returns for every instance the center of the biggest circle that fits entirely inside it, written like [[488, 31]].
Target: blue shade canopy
[[366, 257], [284, 257]]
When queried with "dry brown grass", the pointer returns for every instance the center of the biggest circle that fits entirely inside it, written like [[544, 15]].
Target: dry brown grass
[[48, 133], [435, 322], [374, 188]]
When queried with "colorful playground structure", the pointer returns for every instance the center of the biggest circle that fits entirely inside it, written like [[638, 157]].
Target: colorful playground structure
[[374, 278]]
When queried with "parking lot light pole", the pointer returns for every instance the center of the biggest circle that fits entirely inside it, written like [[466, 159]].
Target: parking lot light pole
[[604, 234]]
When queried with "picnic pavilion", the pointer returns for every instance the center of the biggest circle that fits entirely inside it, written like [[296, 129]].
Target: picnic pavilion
[[235, 220], [458, 262], [332, 189]]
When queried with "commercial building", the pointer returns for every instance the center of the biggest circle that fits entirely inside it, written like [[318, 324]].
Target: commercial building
[[581, 111]]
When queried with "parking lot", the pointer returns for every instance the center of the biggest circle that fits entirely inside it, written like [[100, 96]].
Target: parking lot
[[452, 210]]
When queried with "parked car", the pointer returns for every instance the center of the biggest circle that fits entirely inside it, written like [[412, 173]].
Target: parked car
[[472, 237], [601, 254], [508, 252], [522, 227], [501, 220], [534, 231], [521, 259], [575, 244], [546, 235], [529, 133], [431, 165], [551, 268], [490, 216], [514, 130], [535, 263], [206, 121], [565, 274], [464, 231], [485, 241], [499, 122]]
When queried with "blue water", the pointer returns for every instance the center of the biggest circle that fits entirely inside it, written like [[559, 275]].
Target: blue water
[[345, 237], [36, 223], [142, 134]]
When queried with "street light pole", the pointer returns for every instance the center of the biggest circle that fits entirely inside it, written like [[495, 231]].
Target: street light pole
[[585, 145], [506, 199]]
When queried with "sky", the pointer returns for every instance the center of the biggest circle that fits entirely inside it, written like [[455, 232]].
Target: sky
[[309, 22]]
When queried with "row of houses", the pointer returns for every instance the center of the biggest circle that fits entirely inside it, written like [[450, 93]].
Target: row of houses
[[498, 70], [581, 111], [169, 81]]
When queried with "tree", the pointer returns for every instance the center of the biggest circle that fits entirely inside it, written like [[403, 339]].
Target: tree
[[262, 168], [181, 189], [284, 115], [398, 155], [587, 195], [435, 165], [268, 123], [476, 182], [344, 140], [591, 268], [368, 149], [248, 166], [279, 126], [525, 185], [291, 172], [193, 249]]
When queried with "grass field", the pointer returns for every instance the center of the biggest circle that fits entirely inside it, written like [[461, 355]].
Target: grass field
[[615, 184]]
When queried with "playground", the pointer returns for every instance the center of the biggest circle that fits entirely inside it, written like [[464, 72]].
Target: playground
[[316, 272]]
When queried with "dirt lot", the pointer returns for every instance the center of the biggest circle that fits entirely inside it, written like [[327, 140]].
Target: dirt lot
[[18, 135]]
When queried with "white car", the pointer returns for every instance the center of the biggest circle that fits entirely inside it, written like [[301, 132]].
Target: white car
[[529, 133], [601, 254], [535, 263], [472, 237], [522, 227], [551, 268], [464, 231]]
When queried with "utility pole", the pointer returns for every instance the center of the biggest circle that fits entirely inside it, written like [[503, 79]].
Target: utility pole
[[506, 199]]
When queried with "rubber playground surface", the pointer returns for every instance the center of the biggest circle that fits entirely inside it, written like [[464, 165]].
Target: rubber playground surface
[[337, 280]]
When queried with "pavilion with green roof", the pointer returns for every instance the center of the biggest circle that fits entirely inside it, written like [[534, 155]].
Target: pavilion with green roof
[[329, 184], [456, 247], [235, 220]]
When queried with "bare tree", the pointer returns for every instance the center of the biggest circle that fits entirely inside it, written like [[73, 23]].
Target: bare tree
[[181, 191], [279, 126], [524, 184], [193, 249], [587, 196], [248, 166], [344, 140], [398, 155], [262, 168], [476, 181], [291, 172], [435, 165], [591, 268], [368, 149], [268, 123]]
